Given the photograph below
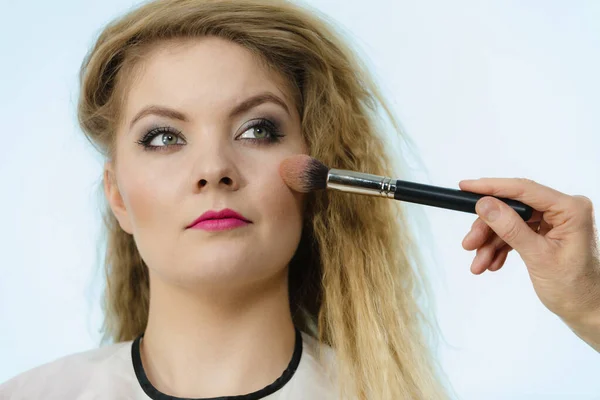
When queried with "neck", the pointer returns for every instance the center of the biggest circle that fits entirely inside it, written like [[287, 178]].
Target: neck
[[217, 344]]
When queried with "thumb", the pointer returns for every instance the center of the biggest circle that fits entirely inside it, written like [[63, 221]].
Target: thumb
[[507, 224]]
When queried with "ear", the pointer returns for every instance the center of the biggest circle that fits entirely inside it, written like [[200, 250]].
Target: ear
[[115, 200]]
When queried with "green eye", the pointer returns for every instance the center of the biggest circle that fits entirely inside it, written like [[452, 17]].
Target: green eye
[[261, 131], [161, 138], [255, 132], [168, 137]]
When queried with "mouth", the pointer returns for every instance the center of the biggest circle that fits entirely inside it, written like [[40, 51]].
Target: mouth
[[219, 220]]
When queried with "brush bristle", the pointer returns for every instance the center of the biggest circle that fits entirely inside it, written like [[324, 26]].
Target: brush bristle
[[303, 173]]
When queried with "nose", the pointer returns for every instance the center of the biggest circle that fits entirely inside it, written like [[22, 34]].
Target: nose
[[216, 169], [224, 181]]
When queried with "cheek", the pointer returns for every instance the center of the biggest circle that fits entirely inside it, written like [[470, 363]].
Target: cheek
[[278, 202], [282, 213], [149, 197], [146, 195]]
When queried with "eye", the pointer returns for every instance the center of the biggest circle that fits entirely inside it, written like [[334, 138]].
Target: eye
[[262, 130], [160, 138], [167, 139], [255, 132]]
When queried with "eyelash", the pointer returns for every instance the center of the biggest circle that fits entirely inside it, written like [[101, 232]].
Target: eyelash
[[272, 127]]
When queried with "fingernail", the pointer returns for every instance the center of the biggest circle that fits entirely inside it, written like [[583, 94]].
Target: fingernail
[[489, 210]]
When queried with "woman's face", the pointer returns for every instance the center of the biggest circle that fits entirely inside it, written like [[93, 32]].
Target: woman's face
[[221, 125]]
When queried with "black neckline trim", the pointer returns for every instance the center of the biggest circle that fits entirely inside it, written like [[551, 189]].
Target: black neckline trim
[[155, 394]]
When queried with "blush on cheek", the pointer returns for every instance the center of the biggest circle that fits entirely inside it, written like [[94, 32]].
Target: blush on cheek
[[277, 199]]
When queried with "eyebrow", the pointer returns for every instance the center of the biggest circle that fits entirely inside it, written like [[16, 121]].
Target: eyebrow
[[246, 105]]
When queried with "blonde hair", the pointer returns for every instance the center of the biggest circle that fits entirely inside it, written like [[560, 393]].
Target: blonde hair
[[353, 284]]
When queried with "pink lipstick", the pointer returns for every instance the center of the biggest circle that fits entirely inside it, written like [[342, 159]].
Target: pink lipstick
[[219, 220]]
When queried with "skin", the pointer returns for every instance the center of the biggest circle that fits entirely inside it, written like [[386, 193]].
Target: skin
[[562, 258], [219, 320]]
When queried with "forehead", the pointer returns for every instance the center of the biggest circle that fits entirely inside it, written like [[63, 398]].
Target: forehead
[[203, 72]]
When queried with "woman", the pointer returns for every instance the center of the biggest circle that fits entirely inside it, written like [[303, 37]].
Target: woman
[[221, 281]]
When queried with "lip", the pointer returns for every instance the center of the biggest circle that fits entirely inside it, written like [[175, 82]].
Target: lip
[[219, 220]]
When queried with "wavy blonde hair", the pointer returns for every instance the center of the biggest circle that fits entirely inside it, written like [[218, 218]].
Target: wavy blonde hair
[[353, 281]]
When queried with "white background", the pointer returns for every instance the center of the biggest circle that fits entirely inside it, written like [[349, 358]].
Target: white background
[[496, 88]]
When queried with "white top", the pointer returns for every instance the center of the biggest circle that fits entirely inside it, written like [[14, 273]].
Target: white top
[[115, 372]]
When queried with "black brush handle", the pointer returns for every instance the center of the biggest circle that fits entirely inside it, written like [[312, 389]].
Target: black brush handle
[[452, 199]]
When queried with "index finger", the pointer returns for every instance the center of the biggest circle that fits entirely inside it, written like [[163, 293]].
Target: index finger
[[542, 198]]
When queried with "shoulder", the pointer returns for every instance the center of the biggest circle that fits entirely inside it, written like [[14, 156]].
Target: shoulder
[[70, 375]]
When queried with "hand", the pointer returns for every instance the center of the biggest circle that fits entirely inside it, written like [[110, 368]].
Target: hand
[[562, 258]]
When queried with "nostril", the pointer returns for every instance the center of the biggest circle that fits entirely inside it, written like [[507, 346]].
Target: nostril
[[203, 182], [226, 180]]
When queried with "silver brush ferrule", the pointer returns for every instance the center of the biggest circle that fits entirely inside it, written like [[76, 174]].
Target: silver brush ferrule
[[358, 182]]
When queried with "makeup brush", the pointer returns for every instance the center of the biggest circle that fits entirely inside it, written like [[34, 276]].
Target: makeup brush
[[305, 174]]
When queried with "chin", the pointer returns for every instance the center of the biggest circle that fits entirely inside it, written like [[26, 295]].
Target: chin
[[225, 269]]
